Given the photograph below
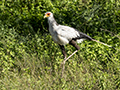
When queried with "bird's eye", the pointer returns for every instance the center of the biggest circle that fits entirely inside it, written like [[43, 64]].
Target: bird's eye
[[48, 14]]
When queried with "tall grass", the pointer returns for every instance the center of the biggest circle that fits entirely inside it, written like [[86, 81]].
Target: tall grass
[[29, 59]]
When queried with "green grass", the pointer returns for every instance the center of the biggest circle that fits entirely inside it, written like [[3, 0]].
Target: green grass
[[30, 60], [90, 69]]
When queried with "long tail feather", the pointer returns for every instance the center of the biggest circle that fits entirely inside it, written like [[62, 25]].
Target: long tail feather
[[103, 43]]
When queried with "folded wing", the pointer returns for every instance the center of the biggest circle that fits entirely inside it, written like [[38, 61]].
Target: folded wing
[[71, 34]]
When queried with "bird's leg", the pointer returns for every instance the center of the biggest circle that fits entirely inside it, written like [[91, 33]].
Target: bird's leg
[[63, 51], [64, 55], [70, 56], [73, 43]]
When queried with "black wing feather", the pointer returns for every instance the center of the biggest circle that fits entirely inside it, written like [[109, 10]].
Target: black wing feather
[[82, 36]]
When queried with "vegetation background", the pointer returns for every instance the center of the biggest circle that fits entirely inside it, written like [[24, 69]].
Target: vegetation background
[[30, 60]]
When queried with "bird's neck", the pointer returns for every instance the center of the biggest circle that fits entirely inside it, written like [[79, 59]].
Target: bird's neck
[[52, 22]]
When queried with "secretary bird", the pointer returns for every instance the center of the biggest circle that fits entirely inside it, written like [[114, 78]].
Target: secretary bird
[[63, 35]]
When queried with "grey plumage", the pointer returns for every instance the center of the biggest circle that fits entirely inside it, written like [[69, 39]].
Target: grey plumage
[[64, 34]]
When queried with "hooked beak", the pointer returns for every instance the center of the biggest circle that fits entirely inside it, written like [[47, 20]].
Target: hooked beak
[[45, 16]]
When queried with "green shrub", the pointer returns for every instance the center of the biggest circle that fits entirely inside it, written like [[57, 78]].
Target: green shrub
[[29, 59]]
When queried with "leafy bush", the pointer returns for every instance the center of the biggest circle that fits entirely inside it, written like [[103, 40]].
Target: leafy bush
[[29, 59]]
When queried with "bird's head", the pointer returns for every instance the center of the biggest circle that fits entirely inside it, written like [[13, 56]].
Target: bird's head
[[48, 14]]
